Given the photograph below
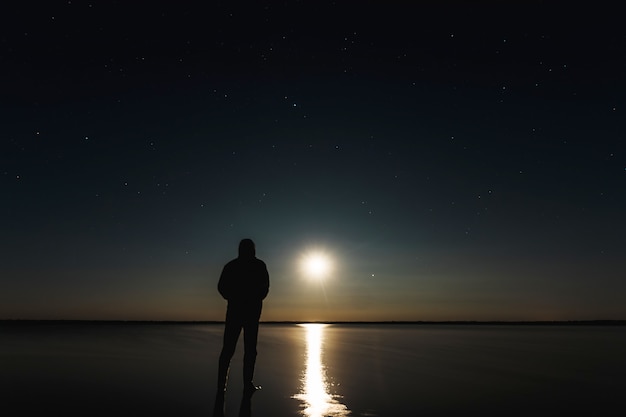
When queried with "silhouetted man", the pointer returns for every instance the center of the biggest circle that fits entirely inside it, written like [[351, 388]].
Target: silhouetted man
[[244, 283]]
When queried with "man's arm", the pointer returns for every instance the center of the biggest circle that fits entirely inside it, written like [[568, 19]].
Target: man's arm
[[266, 282], [224, 284]]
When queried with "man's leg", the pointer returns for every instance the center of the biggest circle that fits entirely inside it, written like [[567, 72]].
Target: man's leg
[[232, 329], [250, 336]]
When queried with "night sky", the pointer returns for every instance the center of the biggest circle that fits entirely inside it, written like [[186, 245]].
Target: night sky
[[457, 160]]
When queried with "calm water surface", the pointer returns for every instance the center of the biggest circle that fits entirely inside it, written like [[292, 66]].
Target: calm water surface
[[315, 370]]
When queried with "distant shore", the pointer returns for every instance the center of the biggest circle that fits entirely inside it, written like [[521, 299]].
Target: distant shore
[[425, 323]]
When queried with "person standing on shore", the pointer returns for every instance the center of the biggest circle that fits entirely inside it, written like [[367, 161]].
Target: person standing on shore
[[244, 283]]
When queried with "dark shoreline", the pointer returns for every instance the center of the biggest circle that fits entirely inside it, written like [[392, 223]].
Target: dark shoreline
[[425, 323]]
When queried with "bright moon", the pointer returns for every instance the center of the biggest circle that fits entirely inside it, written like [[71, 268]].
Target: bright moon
[[316, 265]]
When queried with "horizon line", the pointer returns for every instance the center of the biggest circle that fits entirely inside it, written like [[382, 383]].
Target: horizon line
[[613, 322]]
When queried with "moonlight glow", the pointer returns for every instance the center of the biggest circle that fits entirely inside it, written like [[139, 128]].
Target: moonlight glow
[[316, 264]]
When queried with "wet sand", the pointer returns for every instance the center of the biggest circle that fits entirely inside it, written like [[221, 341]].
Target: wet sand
[[315, 371]]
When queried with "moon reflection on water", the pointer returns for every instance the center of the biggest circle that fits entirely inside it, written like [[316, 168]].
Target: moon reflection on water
[[314, 394]]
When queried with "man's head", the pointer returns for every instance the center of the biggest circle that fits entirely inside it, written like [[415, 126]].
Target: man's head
[[246, 248]]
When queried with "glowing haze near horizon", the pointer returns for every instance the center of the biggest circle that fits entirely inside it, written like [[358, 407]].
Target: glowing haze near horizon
[[453, 161]]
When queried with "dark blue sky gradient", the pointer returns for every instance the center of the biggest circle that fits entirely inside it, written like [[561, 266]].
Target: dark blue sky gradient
[[458, 160]]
